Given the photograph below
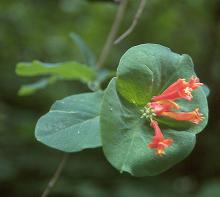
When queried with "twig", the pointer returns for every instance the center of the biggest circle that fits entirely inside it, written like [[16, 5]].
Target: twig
[[134, 22], [111, 36], [56, 175]]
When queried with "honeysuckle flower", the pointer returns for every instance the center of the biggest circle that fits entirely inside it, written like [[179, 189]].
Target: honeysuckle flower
[[153, 109], [163, 108], [159, 142], [194, 116], [194, 82], [179, 90], [165, 105]]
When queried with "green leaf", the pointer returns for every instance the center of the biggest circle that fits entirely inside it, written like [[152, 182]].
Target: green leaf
[[72, 124], [102, 76], [148, 69], [89, 56], [33, 87], [206, 90], [125, 137], [67, 70], [144, 71]]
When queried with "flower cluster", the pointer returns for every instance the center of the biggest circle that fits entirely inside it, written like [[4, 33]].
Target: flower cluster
[[165, 105]]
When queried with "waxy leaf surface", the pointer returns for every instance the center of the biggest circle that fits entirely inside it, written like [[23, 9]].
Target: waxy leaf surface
[[145, 71], [72, 124]]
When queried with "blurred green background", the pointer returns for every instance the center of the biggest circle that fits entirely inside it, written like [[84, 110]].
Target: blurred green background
[[31, 29]]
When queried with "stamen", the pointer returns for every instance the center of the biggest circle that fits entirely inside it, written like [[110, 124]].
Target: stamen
[[148, 112], [188, 91]]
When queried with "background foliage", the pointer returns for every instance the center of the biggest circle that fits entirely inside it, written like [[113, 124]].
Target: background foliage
[[40, 30]]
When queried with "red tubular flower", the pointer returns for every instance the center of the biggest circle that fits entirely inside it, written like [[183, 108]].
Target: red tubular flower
[[179, 89], [194, 116], [159, 142], [194, 82], [163, 106]]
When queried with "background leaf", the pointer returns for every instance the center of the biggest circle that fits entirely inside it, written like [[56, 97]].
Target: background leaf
[[67, 70], [72, 124], [89, 56], [102, 76], [33, 87]]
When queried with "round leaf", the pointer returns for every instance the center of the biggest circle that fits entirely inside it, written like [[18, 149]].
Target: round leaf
[[143, 72], [72, 124], [125, 137], [148, 69]]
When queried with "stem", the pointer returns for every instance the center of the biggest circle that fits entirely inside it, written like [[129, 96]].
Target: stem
[[134, 22], [111, 36], [56, 175]]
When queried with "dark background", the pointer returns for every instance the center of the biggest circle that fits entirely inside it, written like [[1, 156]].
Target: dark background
[[31, 29]]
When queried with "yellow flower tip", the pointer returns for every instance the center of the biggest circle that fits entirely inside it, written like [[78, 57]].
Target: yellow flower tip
[[160, 152], [188, 92], [198, 117]]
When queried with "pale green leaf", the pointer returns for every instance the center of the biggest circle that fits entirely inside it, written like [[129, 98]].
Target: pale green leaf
[[66, 70], [33, 87], [206, 90], [72, 124], [125, 137], [145, 71]]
